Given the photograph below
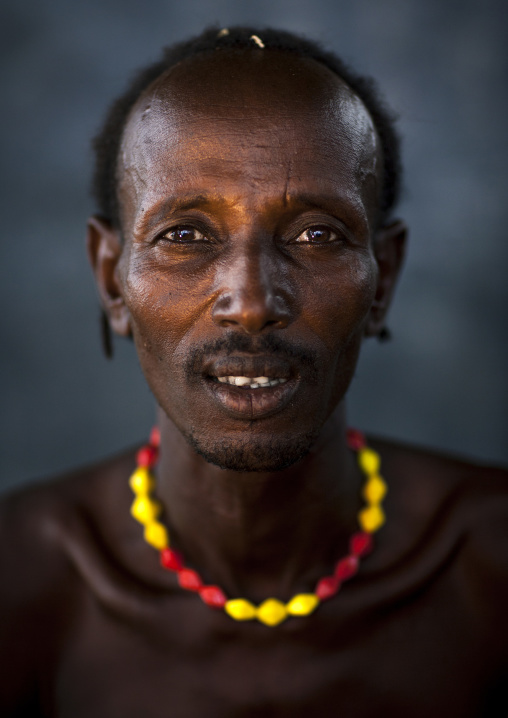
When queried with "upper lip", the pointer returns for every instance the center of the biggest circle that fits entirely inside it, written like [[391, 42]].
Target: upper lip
[[271, 366]]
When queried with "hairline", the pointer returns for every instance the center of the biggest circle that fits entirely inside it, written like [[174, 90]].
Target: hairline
[[107, 143], [158, 82]]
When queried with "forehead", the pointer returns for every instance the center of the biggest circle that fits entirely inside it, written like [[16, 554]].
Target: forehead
[[264, 115]]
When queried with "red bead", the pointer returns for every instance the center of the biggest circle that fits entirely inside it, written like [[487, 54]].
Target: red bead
[[189, 579], [155, 437], [327, 587], [213, 596], [355, 439], [171, 559], [361, 543], [147, 456], [346, 567]]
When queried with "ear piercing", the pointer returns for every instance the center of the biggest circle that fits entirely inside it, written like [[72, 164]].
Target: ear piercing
[[106, 336], [384, 334]]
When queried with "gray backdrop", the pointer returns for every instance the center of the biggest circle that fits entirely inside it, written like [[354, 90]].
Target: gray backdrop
[[442, 65]]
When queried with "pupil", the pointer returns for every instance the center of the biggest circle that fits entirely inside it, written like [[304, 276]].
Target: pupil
[[318, 234]]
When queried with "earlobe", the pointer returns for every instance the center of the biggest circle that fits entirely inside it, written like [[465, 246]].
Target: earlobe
[[389, 249], [104, 249]]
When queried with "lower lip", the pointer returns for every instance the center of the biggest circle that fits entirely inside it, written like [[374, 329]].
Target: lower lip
[[252, 403]]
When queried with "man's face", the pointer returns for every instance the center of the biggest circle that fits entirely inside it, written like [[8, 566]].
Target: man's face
[[249, 188]]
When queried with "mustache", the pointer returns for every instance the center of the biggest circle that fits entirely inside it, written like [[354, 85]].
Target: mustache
[[266, 345]]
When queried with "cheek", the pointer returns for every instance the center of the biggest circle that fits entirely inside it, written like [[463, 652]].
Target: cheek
[[338, 303], [342, 324], [163, 307]]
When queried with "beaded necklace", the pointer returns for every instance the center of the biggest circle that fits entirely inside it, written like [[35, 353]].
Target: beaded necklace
[[271, 612]]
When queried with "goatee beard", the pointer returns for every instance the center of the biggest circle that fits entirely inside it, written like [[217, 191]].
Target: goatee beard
[[252, 453]]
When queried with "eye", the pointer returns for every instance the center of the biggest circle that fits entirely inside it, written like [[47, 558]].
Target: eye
[[184, 235], [317, 235]]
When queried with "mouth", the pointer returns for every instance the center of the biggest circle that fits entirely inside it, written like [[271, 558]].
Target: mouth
[[258, 382], [251, 387]]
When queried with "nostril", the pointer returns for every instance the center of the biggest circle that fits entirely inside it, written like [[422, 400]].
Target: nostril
[[253, 312]]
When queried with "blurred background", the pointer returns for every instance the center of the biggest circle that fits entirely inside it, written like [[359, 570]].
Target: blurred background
[[442, 66]]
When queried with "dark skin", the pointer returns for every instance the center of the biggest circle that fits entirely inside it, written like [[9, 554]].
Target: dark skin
[[251, 244]]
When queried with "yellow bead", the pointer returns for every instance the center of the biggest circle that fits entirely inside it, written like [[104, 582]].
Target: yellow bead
[[156, 535], [374, 490], [145, 509], [142, 481], [271, 612], [302, 604], [369, 461], [240, 609], [372, 518]]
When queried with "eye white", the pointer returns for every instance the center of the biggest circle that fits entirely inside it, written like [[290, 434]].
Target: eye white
[[317, 235], [184, 234]]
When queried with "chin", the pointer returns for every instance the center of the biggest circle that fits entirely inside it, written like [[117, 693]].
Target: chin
[[253, 453]]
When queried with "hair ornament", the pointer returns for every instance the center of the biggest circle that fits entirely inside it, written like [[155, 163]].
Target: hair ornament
[[259, 42], [223, 32]]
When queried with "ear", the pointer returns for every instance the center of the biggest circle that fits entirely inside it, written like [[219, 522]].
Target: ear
[[104, 249], [389, 250]]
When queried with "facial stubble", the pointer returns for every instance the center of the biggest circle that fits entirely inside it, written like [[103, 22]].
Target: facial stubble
[[253, 449]]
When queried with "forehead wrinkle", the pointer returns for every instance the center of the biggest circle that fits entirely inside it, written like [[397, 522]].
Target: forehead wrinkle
[[207, 144]]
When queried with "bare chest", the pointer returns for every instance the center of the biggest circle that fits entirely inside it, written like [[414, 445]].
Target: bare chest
[[184, 662]]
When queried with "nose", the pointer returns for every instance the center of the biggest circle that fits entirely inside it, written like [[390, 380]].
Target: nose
[[252, 296]]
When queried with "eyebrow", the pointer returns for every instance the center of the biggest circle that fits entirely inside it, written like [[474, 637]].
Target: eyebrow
[[315, 201], [332, 204], [180, 204], [190, 202], [338, 205]]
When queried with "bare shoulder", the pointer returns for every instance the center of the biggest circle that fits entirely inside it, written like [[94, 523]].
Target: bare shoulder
[[42, 527], [432, 466], [462, 501], [421, 471], [36, 519]]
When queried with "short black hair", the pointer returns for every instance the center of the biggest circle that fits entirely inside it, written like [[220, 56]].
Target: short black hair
[[106, 144]]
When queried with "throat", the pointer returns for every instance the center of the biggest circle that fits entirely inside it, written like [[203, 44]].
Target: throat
[[259, 533]]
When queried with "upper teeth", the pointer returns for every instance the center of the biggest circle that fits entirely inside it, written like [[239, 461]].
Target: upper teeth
[[252, 383]]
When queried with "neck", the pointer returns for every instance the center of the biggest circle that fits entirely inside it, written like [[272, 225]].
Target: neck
[[261, 533]]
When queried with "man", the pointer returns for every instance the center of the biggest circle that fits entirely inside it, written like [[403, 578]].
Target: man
[[248, 249]]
